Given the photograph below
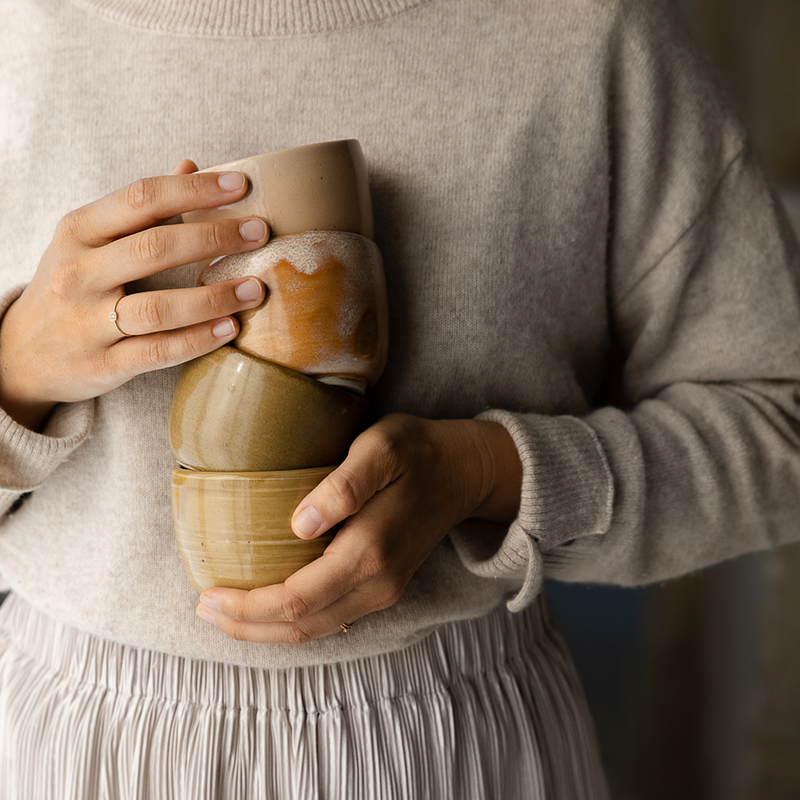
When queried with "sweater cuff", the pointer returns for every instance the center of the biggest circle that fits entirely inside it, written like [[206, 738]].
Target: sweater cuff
[[27, 458], [567, 493]]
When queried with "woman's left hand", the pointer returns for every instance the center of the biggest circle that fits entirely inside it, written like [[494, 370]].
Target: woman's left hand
[[404, 485]]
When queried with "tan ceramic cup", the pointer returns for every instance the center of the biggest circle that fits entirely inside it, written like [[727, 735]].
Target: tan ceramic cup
[[325, 313], [234, 530], [321, 186], [232, 411]]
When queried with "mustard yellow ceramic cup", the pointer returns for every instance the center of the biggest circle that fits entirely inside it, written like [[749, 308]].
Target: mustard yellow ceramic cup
[[234, 529], [234, 412], [322, 186], [325, 313]]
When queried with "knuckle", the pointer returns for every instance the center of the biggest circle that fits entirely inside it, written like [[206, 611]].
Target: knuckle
[[390, 592], [187, 344], [344, 490], [156, 353], [66, 278], [195, 187], [214, 237], [293, 607], [373, 564], [141, 194], [296, 634], [183, 345], [218, 301], [70, 226], [238, 608], [151, 246], [150, 312], [238, 632], [105, 364], [389, 447]]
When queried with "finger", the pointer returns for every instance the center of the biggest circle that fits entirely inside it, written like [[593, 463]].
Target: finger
[[362, 553], [167, 246], [149, 200], [348, 609], [185, 167], [169, 309], [372, 463], [306, 592], [137, 354]]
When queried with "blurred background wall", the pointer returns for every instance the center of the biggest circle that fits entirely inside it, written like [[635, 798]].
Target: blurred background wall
[[695, 685]]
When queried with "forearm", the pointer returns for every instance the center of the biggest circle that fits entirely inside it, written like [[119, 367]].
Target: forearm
[[704, 473], [696, 475]]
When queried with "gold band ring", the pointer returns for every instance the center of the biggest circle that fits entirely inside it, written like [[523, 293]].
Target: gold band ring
[[114, 316], [346, 626]]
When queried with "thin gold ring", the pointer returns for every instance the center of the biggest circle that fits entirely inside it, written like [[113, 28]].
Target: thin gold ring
[[114, 316], [346, 626]]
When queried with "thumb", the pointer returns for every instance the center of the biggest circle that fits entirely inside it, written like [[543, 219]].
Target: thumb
[[365, 472]]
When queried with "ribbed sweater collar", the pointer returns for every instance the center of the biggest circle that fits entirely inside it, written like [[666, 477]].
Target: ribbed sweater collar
[[246, 18]]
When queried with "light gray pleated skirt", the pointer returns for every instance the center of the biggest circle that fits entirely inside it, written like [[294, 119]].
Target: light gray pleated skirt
[[487, 709]]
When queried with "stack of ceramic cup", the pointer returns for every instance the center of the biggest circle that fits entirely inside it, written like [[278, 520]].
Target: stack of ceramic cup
[[256, 424]]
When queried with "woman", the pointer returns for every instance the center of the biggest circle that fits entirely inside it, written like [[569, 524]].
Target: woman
[[593, 375]]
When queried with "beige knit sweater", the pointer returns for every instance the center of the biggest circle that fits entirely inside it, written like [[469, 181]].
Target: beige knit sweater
[[577, 244]]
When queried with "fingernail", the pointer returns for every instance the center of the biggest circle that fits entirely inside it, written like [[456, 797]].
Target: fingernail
[[248, 290], [206, 616], [307, 522], [209, 602], [232, 181], [253, 230], [223, 328]]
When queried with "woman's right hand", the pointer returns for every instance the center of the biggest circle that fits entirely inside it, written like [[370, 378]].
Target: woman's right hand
[[57, 343]]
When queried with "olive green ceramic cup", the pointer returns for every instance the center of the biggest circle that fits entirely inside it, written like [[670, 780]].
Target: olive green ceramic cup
[[234, 529], [234, 412]]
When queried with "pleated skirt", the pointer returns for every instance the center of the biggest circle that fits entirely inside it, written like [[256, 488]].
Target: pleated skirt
[[478, 710]]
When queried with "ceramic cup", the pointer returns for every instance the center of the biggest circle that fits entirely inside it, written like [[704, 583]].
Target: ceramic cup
[[325, 313], [320, 186], [234, 529], [233, 411]]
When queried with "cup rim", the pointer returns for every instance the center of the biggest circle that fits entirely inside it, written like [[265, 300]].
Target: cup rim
[[284, 151], [201, 475]]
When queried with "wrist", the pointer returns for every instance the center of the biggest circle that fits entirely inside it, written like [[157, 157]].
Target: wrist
[[28, 413], [500, 471], [31, 416]]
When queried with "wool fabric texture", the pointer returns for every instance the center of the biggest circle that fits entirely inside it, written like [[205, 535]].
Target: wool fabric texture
[[578, 245]]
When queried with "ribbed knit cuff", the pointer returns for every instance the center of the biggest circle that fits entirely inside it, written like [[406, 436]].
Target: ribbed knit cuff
[[27, 458], [517, 557], [567, 493]]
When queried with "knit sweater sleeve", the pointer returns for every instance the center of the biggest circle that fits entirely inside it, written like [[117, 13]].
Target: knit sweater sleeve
[[28, 458], [692, 455]]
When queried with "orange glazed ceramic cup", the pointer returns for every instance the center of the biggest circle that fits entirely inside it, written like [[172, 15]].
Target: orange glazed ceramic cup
[[325, 314]]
